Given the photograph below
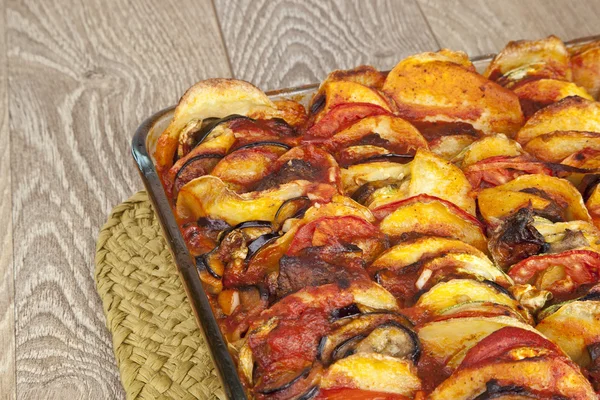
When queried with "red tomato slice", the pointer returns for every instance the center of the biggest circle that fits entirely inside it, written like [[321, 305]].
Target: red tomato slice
[[357, 394], [386, 209], [327, 231], [494, 348], [339, 117], [495, 171], [581, 267]]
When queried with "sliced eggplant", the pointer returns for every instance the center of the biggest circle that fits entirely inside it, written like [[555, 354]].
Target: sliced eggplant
[[392, 157], [292, 208], [288, 383], [345, 312], [244, 225], [392, 339], [211, 123], [193, 168], [259, 243], [310, 394], [384, 333], [213, 224], [496, 391], [210, 263], [364, 194], [264, 143]]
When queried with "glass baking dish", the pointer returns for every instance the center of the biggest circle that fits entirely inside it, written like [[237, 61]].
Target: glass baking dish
[[143, 146]]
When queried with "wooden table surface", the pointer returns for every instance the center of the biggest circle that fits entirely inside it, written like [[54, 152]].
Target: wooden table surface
[[77, 77]]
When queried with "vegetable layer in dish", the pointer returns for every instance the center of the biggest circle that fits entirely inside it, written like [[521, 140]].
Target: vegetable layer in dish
[[427, 233]]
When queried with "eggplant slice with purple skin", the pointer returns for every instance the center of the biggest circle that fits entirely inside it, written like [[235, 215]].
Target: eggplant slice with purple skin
[[260, 242], [195, 167], [511, 392], [244, 225], [379, 332], [264, 143], [288, 384], [209, 124], [292, 208], [203, 263]]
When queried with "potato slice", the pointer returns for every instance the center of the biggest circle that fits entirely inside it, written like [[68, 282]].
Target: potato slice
[[398, 134], [363, 74], [585, 62], [341, 92], [208, 196], [431, 89], [489, 146], [555, 187], [456, 57], [551, 52], [434, 218], [537, 94], [569, 114], [573, 327], [449, 147], [545, 58], [495, 203], [554, 376], [407, 253], [449, 294], [432, 175], [465, 264], [373, 372], [355, 176], [555, 233], [558, 145], [212, 98]]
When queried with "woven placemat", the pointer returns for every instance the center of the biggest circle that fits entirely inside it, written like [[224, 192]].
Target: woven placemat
[[160, 351]]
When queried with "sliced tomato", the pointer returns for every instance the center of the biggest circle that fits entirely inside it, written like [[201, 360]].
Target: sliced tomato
[[580, 267], [249, 131], [356, 394], [339, 117], [498, 170], [495, 347], [298, 323], [329, 231], [386, 209], [306, 162]]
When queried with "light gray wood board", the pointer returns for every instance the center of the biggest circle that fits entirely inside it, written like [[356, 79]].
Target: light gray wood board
[[485, 26], [7, 310], [277, 44], [82, 76]]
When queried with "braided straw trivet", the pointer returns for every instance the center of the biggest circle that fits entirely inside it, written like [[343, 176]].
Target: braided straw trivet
[[160, 352]]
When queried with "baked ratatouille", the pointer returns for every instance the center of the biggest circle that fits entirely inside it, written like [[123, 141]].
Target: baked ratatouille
[[427, 233]]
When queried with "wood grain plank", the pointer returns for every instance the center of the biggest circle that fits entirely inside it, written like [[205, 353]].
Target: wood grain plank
[[81, 79], [7, 309], [284, 43], [485, 26]]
